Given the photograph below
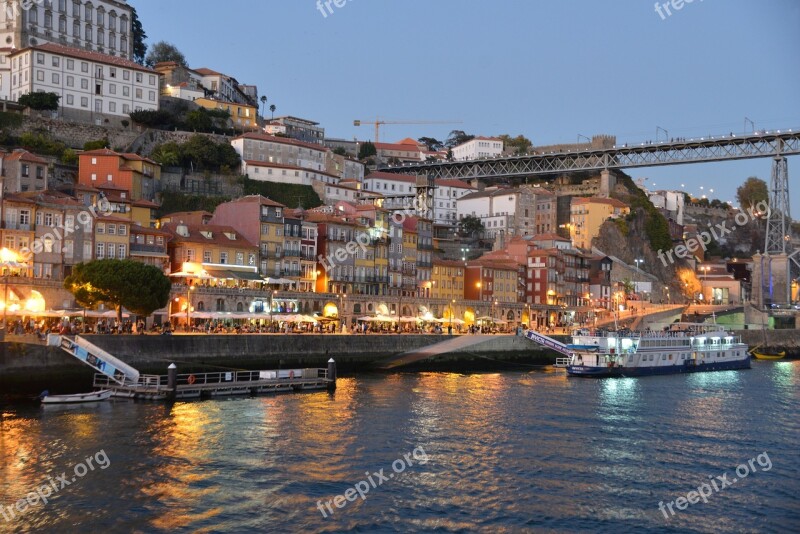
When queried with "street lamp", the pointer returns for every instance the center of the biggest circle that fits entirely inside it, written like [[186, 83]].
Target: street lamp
[[452, 312], [480, 288], [271, 299], [637, 261], [464, 254], [189, 290]]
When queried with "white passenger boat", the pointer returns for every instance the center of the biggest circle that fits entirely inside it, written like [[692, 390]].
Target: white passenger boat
[[684, 348], [94, 396]]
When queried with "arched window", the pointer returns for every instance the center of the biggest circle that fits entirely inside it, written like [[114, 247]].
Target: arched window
[[356, 308], [220, 304], [239, 307], [201, 306]]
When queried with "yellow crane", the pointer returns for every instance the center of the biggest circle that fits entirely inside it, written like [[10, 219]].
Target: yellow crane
[[377, 123]]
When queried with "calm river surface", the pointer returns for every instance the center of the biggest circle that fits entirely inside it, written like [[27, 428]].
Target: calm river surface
[[506, 452]]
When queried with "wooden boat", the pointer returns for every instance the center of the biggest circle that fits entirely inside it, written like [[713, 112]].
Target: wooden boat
[[765, 356], [94, 396]]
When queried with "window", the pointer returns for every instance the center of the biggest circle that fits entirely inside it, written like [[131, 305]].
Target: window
[[101, 228], [152, 79], [206, 256], [111, 251], [40, 58], [48, 219], [70, 81], [84, 66], [152, 96], [112, 107], [112, 72], [94, 176], [39, 75], [98, 106], [55, 61], [190, 254], [126, 91], [24, 216], [121, 251], [138, 94], [139, 77], [122, 229], [84, 83], [126, 108], [76, 29], [100, 251], [240, 258], [126, 75], [111, 229], [223, 257], [55, 78]]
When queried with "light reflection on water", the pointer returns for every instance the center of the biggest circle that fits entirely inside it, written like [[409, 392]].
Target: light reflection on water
[[507, 452]]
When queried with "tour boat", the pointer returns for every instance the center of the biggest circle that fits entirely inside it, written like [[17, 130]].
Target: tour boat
[[94, 396], [684, 348], [765, 356]]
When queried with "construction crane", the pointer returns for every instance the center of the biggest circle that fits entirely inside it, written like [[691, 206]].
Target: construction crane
[[377, 123]]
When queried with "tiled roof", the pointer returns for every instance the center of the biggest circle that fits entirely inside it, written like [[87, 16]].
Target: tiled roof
[[397, 147], [380, 175], [88, 55], [256, 163], [24, 155], [217, 235], [282, 140], [597, 200], [454, 183], [264, 201]]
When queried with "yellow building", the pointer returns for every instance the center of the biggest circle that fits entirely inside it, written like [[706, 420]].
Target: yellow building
[[243, 116], [588, 214], [447, 280], [111, 237]]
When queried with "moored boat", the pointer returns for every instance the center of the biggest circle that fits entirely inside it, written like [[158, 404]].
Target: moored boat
[[685, 348], [764, 356], [94, 396]]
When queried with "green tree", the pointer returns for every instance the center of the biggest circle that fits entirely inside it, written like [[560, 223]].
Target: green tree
[[272, 109], [431, 143], [96, 144], [164, 51], [40, 100], [136, 286], [340, 151], [139, 48], [263, 105], [471, 225], [751, 192], [168, 154], [366, 150], [519, 144], [199, 121]]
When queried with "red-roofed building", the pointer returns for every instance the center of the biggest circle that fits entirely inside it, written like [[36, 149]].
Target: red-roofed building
[[94, 87], [288, 159], [135, 177]]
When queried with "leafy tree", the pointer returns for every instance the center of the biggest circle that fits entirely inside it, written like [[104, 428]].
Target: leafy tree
[[199, 121], [40, 100], [272, 109], [164, 51], [751, 192], [168, 154], [340, 151], [457, 137], [139, 48], [136, 286], [471, 225], [431, 143], [69, 157], [95, 145], [519, 144], [10, 120], [367, 150], [200, 152]]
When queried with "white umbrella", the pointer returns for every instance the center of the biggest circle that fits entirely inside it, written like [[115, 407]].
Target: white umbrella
[[279, 281], [200, 275]]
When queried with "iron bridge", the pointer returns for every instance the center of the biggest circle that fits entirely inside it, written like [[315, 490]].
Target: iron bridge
[[777, 143]]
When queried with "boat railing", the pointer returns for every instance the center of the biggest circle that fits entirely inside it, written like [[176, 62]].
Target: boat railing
[[562, 362]]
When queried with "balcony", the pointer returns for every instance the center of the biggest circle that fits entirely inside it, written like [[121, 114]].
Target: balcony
[[290, 272], [136, 247], [427, 264]]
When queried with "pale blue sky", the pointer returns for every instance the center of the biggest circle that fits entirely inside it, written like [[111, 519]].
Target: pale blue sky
[[547, 69]]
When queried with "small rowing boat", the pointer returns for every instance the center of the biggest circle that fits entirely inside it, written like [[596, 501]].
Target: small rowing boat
[[94, 396], [765, 356]]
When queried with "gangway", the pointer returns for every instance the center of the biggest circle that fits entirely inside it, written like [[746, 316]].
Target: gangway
[[96, 358], [548, 342]]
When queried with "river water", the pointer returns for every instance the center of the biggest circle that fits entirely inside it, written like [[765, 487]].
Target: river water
[[494, 452]]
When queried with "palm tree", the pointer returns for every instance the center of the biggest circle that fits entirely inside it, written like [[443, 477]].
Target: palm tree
[[272, 108], [263, 104]]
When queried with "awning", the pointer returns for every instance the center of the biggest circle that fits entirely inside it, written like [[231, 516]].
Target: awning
[[220, 274], [245, 275]]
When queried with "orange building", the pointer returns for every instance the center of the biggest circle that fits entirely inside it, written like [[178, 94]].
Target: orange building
[[130, 172]]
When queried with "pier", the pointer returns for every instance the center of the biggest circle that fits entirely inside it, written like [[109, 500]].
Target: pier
[[219, 384]]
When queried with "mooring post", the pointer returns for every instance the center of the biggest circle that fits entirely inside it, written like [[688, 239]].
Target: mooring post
[[172, 380], [331, 374]]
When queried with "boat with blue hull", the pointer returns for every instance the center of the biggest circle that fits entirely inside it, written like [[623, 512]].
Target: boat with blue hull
[[683, 348]]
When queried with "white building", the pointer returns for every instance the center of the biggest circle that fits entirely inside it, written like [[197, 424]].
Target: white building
[[672, 202], [400, 191], [93, 86], [285, 174], [509, 211], [224, 87], [480, 147], [96, 25], [281, 151]]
